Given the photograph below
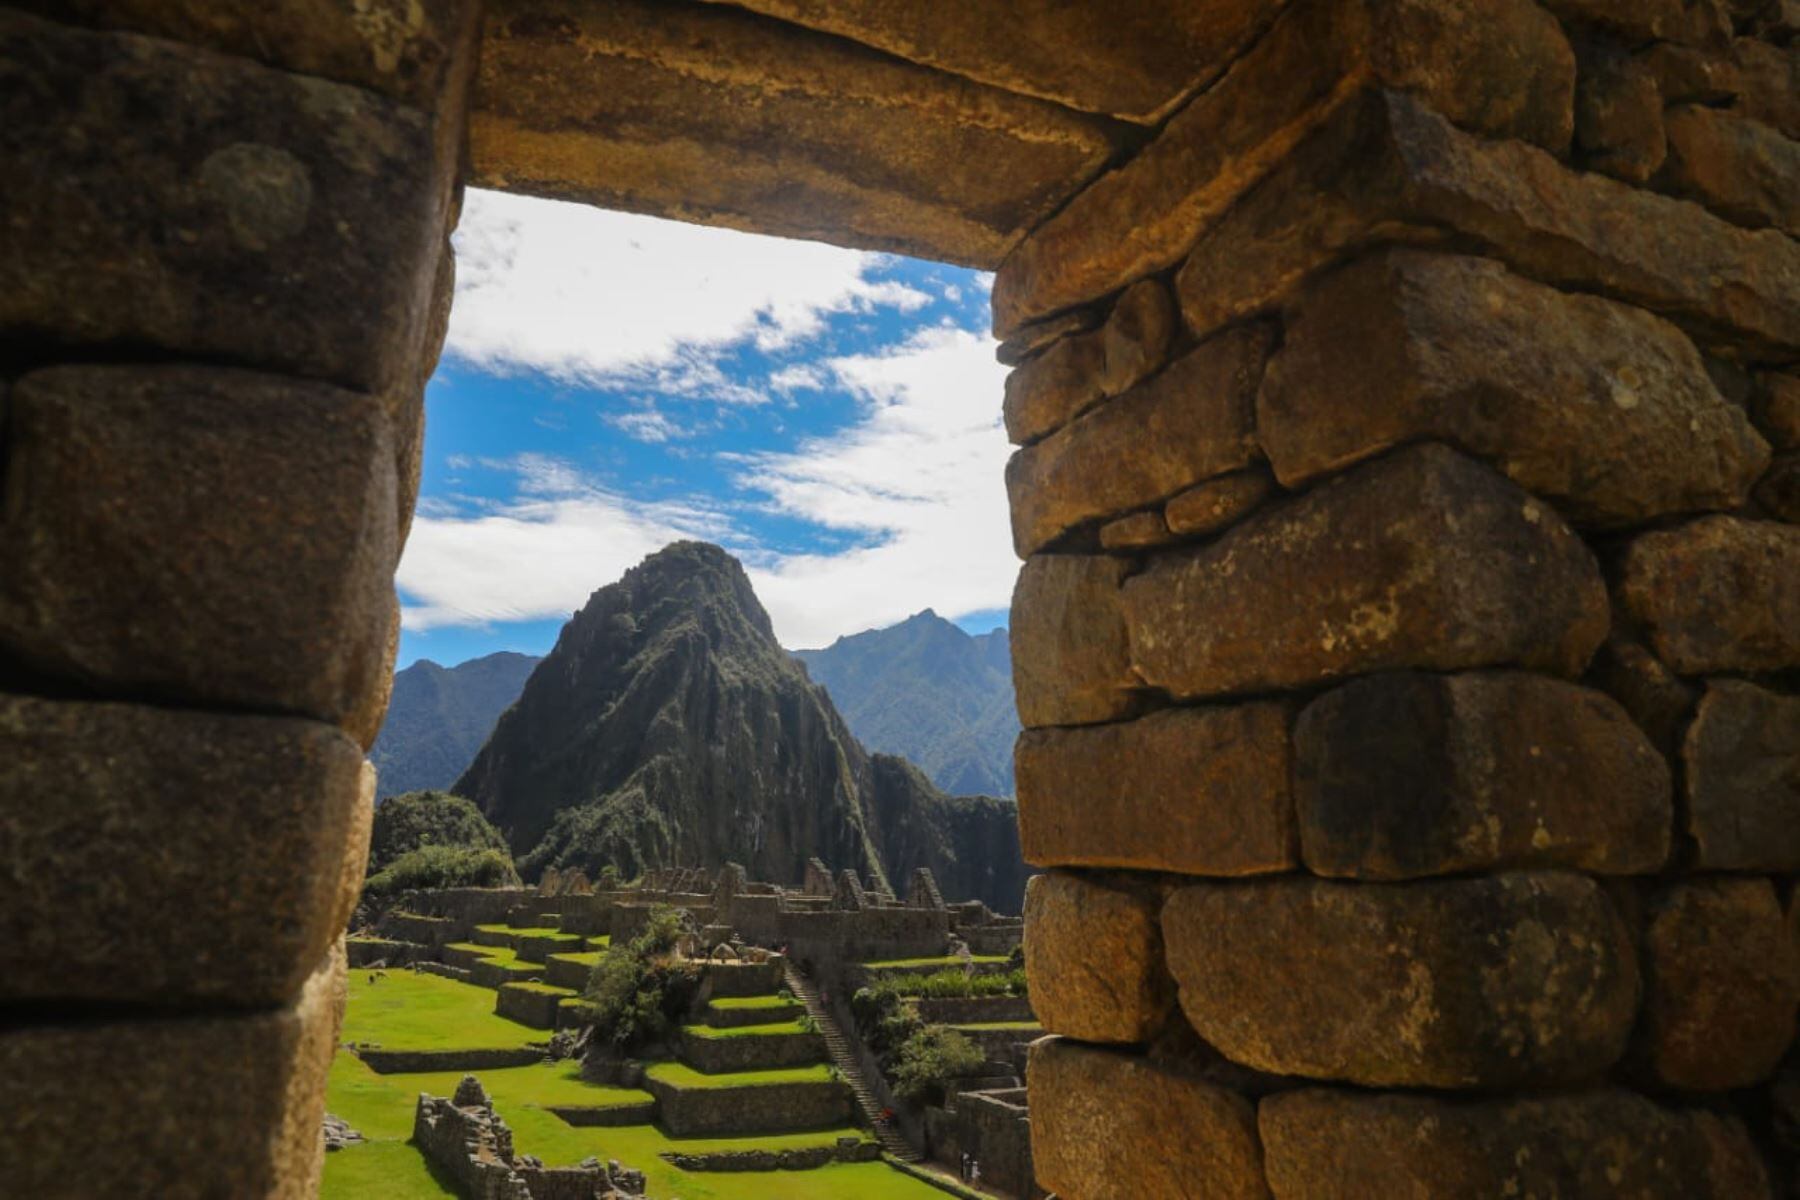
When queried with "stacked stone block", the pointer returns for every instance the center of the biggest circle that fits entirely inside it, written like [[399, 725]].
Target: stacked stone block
[[1409, 627], [224, 278]]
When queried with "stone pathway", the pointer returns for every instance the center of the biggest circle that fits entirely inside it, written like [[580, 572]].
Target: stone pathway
[[844, 1059]]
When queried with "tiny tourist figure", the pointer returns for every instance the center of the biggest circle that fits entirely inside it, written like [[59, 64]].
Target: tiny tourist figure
[[962, 1168], [975, 1171]]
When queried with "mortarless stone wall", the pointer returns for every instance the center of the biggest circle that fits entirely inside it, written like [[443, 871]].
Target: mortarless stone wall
[[1409, 631], [224, 277]]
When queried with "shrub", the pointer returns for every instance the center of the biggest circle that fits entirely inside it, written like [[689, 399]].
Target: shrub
[[883, 1017], [952, 984], [927, 1061], [638, 993], [442, 867]]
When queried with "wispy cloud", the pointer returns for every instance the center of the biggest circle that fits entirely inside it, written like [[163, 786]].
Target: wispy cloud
[[919, 475], [596, 297], [916, 479], [538, 554]]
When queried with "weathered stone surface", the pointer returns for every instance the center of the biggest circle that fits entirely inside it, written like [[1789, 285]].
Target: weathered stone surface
[[1777, 410], [1193, 421], [1218, 503], [1033, 338], [242, 214], [1717, 594], [1323, 1144], [1405, 775], [1504, 69], [1779, 489], [1045, 393], [1619, 115], [1597, 406], [1112, 1126], [1423, 558], [1494, 981], [291, 503], [1693, 22], [1134, 60], [1742, 758], [1387, 169], [707, 113], [1137, 334], [1093, 955], [163, 856], [1202, 791], [215, 1106], [1741, 169], [1139, 531], [1721, 980], [1687, 75], [407, 49], [1771, 84], [1071, 663], [1657, 698]]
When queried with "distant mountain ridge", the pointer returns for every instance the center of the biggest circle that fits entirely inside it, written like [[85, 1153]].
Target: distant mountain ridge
[[669, 728], [439, 717], [926, 690]]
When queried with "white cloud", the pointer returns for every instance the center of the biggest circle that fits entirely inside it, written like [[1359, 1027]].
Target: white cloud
[[538, 555], [647, 425], [922, 473], [591, 296], [918, 478]]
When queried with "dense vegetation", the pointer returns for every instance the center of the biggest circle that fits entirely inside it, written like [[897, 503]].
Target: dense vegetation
[[639, 991], [433, 840], [919, 1060]]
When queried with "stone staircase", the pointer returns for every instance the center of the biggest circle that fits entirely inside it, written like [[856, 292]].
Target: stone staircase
[[844, 1058]]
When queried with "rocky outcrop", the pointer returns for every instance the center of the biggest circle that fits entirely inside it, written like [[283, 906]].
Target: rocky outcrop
[[668, 727]]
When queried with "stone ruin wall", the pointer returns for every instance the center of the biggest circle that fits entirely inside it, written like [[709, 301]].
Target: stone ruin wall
[[470, 1144], [224, 280], [1408, 637]]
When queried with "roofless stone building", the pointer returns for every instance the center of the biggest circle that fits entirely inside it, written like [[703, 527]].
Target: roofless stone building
[[1409, 628]]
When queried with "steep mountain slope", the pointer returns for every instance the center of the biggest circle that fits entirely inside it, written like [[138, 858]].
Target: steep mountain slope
[[439, 717], [927, 691], [669, 728]]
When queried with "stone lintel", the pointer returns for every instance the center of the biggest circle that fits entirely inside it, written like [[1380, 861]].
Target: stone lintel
[[711, 114]]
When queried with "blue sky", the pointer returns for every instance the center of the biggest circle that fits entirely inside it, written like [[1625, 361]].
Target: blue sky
[[612, 382]]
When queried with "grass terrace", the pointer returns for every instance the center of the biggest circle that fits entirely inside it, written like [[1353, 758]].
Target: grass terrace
[[773, 1029], [408, 1011], [731, 1003], [935, 964], [681, 1075]]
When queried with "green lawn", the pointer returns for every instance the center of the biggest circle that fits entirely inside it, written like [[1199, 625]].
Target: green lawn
[[537, 931], [682, 1075], [737, 1031], [1020, 1025], [407, 1011], [909, 964], [388, 1170], [727, 1002], [543, 989], [504, 956]]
